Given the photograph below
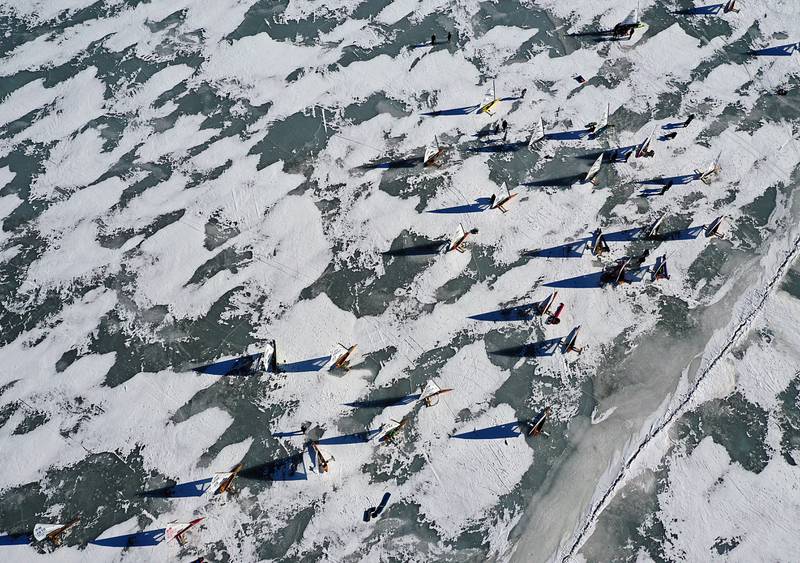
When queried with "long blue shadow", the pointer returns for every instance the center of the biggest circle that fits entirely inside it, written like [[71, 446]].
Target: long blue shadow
[[568, 135], [607, 37], [585, 281], [688, 233], [650, 192], [15, 539], [289, 468], [464, 110], [616, 154], [383, 403], [424, 249], [779, 51], [481, 204], [429, 44], [243, 365], [498, 147], [539, 349], [592, 155], [355, 438], [409, 162], [594, 33], [676, 180], [670, 126], [625, 235], [312, 457], [560, 181], [567, 250], [287, 434], [507, 430], [601, 35], [517, 313], [710, 10], [139, 539], [180, 490], [313, 364], [487, 131], [634, 275], [384, 501]]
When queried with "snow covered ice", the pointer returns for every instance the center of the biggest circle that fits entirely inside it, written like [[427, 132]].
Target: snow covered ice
[[185, 182]]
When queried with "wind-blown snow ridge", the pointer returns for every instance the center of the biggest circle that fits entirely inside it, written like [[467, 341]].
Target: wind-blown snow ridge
[[679, 409]]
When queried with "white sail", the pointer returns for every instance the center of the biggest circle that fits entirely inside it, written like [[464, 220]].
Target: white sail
[[595, 169], [716, 228], [621, 271], [714, 166], [644, 148], [217, 480], [538, 134], [489, 101], [269, 357], [547, 303], [650, 137], [40, 530], [572, 339], [603, 122], [660, 268], [431, 150], [538, 422], [491, 94], [457, 237], [176, 529], [711, 170], [501, 199], [632, 18], [430, 389], [334, 354], [338, 352], [653, 231], [600, 245]]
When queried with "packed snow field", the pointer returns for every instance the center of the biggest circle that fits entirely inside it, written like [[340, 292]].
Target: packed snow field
[[184, 182]]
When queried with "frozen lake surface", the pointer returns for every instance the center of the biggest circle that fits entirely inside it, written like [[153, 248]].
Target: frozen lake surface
[[184, 182]]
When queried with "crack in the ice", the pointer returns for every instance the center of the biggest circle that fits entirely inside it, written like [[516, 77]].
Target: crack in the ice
[[654, 431]]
